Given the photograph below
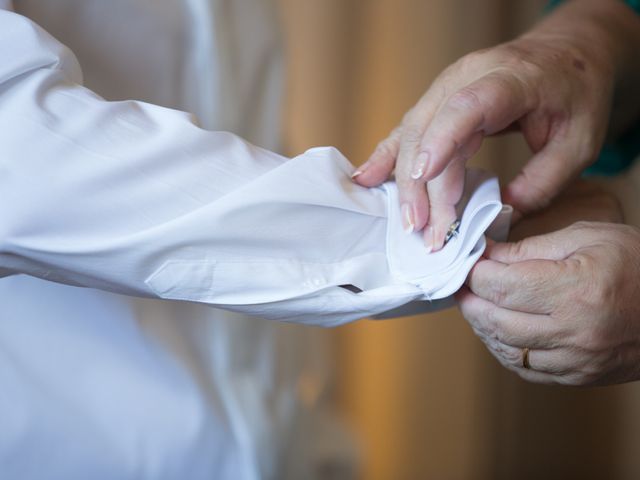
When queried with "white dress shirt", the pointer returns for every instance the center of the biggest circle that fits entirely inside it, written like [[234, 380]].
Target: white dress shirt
[[131, 199]]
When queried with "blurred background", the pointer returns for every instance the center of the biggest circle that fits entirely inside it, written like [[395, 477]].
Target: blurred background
[[422, 396]]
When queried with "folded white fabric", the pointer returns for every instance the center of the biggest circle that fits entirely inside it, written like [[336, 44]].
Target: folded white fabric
[[440, 274]]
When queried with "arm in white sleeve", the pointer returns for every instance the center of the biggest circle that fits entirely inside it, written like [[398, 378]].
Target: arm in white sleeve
[[137, 199]]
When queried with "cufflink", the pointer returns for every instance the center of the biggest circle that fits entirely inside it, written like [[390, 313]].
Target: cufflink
[[453, 231]]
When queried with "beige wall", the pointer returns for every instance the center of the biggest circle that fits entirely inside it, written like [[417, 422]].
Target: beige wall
[[421, 393]]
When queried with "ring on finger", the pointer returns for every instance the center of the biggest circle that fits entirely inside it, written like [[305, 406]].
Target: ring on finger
[[525, 359]]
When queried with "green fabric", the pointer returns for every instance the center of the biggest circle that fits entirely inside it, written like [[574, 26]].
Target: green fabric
[[615, 157], [635, 4]]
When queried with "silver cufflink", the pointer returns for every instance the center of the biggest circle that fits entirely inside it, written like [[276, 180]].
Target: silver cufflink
[[453, 231]]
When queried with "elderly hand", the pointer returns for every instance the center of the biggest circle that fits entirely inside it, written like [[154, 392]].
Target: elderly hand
[[554, 84], [571, 297]]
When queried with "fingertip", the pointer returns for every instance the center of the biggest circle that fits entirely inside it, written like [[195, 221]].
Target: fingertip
[[531, 190], [421, 208], [439, 235], [420, 165], [372, 173], [380, 164], [428, 238], [442, 218], [369, 178], [510, 194], [415, 195]]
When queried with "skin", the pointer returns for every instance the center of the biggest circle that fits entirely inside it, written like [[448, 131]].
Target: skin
[[558, 85], [569, 295], [570, 292]]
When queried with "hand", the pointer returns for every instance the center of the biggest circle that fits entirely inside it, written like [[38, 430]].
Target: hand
[[570, 296], [555, 85], [583, 200]]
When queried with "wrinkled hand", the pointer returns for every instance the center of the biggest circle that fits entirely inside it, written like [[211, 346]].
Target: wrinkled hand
[[556, 93], [570, 296]]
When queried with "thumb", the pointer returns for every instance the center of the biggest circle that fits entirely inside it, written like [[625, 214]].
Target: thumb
[[546, 174]]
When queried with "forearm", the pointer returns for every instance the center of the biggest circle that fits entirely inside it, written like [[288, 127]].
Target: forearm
[[601, 35]]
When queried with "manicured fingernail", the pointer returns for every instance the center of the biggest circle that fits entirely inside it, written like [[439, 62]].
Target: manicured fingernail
[[438, 243], [359, 171], [428, 238], [420, 165], [407, 218]]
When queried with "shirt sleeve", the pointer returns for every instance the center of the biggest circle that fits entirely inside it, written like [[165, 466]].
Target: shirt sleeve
[[136, 199]]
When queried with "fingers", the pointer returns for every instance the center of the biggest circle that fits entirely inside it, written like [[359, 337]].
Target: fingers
[[532, 286], [554, 246], [486, 106], [550, 367], [413, 195], [548, 171], [508, 327], [444, 192], [381, 163], [435, 146], [506, 334]]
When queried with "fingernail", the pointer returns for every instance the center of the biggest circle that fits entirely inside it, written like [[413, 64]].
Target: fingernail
[[359, 171], [407, 218], [420, 165], [428, 238], [438, 243]]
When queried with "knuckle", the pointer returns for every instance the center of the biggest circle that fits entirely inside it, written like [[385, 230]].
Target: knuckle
[[517, 249], [513, 356], [581, 225], [465, 99], [599, 287], [488, 324], [412, 134], [499, 291], [505, 359], [541, 190], [498, 331], [472, 60], [385, 150], [410, 118]]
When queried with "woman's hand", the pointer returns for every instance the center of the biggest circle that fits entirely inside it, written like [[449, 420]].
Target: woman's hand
[[570, 296], [555, 85]]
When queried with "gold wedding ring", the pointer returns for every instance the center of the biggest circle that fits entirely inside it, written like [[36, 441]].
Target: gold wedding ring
[[525, 359]]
